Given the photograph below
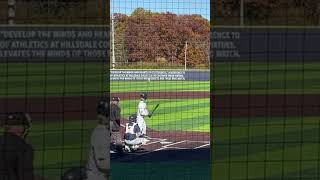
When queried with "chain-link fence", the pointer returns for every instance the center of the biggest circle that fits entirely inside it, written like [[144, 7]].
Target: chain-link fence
[[53, 66], [161, 49], [266, 102]]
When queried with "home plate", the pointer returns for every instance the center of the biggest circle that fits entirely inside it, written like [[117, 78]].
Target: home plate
[[164, 142]]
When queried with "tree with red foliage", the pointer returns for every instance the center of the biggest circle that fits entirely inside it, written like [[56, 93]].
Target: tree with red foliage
[[149, 36]]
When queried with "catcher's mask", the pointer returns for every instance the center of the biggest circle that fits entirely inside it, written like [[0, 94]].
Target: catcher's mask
[[116, 99], [133, 118], [19, 119], [144, 95]]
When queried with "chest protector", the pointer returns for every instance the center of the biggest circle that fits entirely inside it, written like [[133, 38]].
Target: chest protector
[[130, 134]]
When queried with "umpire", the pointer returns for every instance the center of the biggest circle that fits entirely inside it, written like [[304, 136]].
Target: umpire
[[115, 117], [98, 167], [16, 156]]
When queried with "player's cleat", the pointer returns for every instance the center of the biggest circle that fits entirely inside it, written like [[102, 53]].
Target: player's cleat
[[112, 152], [127, 148], [135, 147]]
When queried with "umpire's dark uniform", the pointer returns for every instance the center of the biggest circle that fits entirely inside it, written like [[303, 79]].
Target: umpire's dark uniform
[[16, 156], [115, 117]]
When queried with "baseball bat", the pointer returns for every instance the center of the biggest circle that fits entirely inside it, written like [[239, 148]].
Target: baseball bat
[[154, 109]]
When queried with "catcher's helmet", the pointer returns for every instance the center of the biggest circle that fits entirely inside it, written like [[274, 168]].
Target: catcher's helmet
[[103, 107], [133, 118], [75, 174], [19, 118], [115, 99], [143, 95]]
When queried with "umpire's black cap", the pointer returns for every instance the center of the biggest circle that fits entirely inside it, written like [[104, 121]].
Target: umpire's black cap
[[103, 107], [115, 99], [18, 118]]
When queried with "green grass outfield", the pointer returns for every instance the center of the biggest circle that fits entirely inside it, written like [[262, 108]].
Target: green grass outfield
[[51, 79], [174, 115], [74, 79], [261, 148], [262, 78], [160, 86]]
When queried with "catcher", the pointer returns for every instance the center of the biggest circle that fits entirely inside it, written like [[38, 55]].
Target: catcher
[[132, 135]]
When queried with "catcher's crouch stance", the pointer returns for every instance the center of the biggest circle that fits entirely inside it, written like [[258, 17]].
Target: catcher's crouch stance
[[132, 135]]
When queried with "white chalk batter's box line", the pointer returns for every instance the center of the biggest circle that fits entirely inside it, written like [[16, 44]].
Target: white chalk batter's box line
[[171, 145], [168, 144], [204, 144]]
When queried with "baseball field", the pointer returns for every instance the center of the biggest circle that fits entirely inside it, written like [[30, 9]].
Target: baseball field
[[179, 130], [61, 98], [268, 134]]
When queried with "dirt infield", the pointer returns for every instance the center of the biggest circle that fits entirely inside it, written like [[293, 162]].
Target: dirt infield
[[170, 146], [183, 139], [83, 108]]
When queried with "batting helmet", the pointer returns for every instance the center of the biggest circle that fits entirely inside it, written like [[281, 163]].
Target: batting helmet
[[132, 118], [103, 107], [143, 95], [75, 174]]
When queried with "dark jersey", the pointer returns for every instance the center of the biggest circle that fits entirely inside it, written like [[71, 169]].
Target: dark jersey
[[115, 117], [16, 158]]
